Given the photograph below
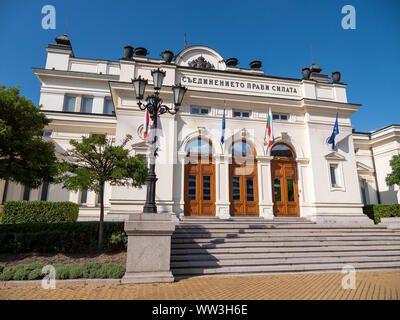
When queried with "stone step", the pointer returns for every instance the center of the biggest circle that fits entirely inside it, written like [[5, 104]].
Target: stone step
[[278, 233], [201, 247], [262, 255], [280, 261], [316, 267], [250, 219], [266, 244], [333, 248], [244, 221], [237, 226], [241, 225], [269, 238]]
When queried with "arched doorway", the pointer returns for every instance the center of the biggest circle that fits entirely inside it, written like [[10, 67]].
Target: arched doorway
[[199, 179], [243, 189], [285, 193]]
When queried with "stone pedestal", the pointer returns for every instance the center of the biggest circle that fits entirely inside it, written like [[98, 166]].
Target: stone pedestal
[[149, 248]]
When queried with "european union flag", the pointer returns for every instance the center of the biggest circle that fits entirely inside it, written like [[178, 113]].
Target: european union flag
[[223, 129], [334, 133]]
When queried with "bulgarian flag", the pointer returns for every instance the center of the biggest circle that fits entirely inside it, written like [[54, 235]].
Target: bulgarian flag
[[146, 126], [270, 130]]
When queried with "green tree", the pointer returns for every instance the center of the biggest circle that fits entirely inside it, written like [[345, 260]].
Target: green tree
[[394, 177], [97, 160], [24, 156], [3, 127]]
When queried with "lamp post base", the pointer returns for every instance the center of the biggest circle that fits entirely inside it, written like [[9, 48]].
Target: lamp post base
[[149, 248]]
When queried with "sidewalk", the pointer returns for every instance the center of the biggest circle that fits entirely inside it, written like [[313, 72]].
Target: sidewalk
[[384, 285]]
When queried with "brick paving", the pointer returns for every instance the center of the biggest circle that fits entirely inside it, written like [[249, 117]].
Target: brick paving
[[382, 285]]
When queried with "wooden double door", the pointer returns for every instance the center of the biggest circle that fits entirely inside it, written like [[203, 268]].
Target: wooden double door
[[243, 189], [200, 188], [285, 193]]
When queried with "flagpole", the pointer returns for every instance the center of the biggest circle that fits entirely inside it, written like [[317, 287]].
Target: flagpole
[[223, 125], [265, 134]]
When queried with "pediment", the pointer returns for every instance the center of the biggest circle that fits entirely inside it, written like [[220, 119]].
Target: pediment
[[334, 156], [361, 167], [141, 146], [200, 57]]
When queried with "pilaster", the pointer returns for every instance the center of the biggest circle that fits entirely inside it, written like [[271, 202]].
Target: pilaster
[[265, 187], [222, 203]]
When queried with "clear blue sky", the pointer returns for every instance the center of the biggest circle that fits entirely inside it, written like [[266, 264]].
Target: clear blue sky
[[277, 32]]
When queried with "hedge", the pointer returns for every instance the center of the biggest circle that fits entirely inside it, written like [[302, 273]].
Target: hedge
[[64, 237], [89, 270], [38, 211], [378, 211]]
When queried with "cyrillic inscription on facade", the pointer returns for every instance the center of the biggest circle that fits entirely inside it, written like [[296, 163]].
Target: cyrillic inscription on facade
[[261, 87]]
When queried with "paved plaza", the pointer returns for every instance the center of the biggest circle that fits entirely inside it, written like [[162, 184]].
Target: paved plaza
[[382, 285]]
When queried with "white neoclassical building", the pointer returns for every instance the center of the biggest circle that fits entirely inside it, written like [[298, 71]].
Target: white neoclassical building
[[299, 176]]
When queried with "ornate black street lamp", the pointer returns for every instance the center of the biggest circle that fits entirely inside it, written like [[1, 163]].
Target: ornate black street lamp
[[155, 107]]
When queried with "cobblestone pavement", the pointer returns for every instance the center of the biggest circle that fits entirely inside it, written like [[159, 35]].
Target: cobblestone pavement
[[383, 285]]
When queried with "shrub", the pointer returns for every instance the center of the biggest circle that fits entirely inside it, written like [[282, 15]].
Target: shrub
[[117, 241], [76, 271], [110, 271], [35, 274], [90, 270], [1, 269], [20, 272], [65, 237], [62, 271], [95, 270], [9, 272], [38, 211], [378, 211]]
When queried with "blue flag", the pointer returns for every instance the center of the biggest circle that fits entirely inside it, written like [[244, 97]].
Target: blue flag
[[223, 129], [334, 133]]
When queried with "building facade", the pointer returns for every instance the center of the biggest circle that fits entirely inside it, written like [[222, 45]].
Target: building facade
[[198, 175]]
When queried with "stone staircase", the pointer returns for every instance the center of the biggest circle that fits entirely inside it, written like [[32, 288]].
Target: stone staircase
[[244, 246]]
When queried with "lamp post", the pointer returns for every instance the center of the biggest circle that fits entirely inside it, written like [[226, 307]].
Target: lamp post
[[154, 105]]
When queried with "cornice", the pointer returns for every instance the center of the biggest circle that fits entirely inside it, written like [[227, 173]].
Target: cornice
[[74, 74]]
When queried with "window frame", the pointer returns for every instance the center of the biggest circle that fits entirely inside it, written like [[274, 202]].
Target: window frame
[[83, 204], [279, 115], [200, 109], [42, 188], [25, 190], [200, 143], [65, 102], [241, 114], [339, 177], [81, 107], [104, 106]]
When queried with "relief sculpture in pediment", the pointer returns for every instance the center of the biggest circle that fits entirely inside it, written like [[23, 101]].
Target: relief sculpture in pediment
[[200, 63]]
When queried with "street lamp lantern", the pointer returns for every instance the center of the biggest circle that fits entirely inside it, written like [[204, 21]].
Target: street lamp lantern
[[158, 78], [154, 105], [139, 84], [179, 91]]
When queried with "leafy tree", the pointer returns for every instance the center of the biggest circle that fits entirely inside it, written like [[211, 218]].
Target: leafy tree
[[24, 156], [97, 160], [3, 127], [394, 177]]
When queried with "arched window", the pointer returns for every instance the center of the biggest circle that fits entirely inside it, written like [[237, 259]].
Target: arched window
[[242, 149], [199, 146], [282, 151]]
